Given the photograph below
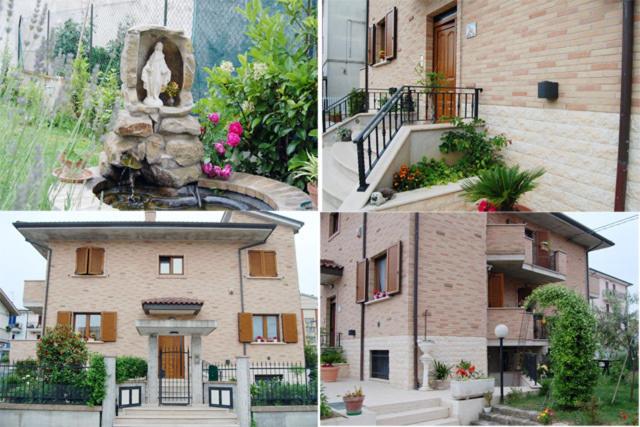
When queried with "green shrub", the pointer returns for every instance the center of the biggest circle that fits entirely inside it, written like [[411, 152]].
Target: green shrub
[[129, 367], [514, 395], [545, 387], [325, 409], [96, 377], [61, 354], [311, 361], [26, 367], [278, 393], [357, 102], [331, 355]]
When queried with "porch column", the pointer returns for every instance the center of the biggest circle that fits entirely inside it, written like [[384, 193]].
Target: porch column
[[109, 401], [152, 370], [243, 377], [196, 369]]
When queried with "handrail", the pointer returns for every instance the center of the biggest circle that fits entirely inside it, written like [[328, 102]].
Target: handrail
[[404, 106], [343, 108]]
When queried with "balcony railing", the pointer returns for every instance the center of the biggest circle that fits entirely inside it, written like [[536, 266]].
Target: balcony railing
[[358, 101], [410, 104]]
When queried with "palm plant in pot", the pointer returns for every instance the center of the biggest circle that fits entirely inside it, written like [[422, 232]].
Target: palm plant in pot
[[488, 397], [353, 401], [329, 356], [500, 188], [441, 373], [307, 169]]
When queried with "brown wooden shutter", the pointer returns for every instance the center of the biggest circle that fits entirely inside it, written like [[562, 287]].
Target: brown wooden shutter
[[390, 34], [245, 327], [371, 52], [82, 260], [496, 289], [361, 281], [543, 253], [96, 261], [108, 326], [289, 328], [255, 263], [394, 267], [64, 318], [269, 265]]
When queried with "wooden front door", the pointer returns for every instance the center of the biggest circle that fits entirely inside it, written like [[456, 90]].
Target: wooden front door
[[171, 350], [444, 63], [496, 289], [332, 322]]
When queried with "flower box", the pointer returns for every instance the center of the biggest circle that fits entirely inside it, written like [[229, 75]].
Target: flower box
[[467, 389]]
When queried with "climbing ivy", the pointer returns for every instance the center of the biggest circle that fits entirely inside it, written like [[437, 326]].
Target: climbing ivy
[[572, 343]]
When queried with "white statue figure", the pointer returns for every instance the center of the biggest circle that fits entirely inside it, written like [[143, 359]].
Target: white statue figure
[[155, 76]]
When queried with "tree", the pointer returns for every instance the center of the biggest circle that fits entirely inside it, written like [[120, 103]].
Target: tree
[[62, 354], [67, 39], [617, 333], [572, 343]]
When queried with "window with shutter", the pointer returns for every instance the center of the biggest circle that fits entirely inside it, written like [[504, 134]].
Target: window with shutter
[[263, 264], [361, 281], [64, 318], [109, 326], [96, 261], [245, 327], [90, 326], [289, 328], [82, 260], [371, 53]]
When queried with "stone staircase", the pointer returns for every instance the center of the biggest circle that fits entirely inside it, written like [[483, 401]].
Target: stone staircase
[[425, 412], [175, 416], [502, 415], [340, 173]]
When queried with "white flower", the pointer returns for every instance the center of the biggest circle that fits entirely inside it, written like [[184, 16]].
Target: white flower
[[248, 107], [227, 66], [259, 70]]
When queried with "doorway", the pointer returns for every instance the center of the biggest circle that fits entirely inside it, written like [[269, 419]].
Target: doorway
[[332, 322], [444, 63], [174, 376]]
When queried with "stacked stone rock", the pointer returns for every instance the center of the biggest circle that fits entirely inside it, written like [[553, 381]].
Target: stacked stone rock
[[161, 142]]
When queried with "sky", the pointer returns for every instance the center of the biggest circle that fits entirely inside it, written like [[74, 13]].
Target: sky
[[20, 261]]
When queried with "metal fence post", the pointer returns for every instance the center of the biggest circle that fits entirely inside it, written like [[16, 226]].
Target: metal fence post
[[243, 377], [109, 402], [166, 6], [477, 103]]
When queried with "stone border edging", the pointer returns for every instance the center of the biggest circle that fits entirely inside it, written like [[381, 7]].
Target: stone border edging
[[47, 407]]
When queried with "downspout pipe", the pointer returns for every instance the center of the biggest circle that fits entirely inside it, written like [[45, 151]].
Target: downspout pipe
[[624, 131], [366, 292], [416, 253], [46, 283], [366, 52], [244, 345]]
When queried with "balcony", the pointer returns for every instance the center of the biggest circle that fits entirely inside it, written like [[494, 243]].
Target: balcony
[[510, 251], [525, 328], [33, 297]]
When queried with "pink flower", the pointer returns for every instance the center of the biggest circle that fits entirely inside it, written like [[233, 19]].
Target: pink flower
[[226, 171], [214, 118], [202, 130], [482, 206], [217, 170], [219, 148], [233, 139], [236, 128], [207, 168]]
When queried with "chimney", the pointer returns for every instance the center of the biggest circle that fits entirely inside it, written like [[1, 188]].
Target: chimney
[[149, 216]]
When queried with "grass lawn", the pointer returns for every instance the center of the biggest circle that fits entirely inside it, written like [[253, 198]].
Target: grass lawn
[[607, 413]]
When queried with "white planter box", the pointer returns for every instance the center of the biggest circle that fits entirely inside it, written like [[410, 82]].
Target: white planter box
[[471, 388]]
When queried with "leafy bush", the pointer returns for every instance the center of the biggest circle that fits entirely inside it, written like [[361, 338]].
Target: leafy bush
[[572, 343], [273, 91], [441, 370], [61, 353], [331, 355], [311, 361], [325, 409], [26, 367], [277, 393], [129, 367], [514, 395], [96, 377], [357, 102], [545, 387]]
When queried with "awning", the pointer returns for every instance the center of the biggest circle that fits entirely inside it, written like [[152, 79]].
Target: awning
[[176, 327], [172, 306]]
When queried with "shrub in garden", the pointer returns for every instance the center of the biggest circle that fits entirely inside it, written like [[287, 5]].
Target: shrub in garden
[[129, 367], [61, 355], [96, 377], [273, 90], [572, 343]]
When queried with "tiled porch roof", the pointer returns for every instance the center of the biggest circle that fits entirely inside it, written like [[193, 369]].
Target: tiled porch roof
[[327, 263], [173, 301]]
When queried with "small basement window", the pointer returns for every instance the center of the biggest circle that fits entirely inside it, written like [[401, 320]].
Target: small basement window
[[380, 364], [171, 265]]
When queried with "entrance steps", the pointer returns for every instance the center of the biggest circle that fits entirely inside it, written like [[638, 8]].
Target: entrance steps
[[175, 416], [501, 415], [420, 412]]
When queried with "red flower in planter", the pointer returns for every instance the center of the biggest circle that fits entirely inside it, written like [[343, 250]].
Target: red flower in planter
[[472, 369], [485, 206]]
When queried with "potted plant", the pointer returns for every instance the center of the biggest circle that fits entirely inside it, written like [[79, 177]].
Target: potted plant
[[328, 372], [353, 401], [344, 134], [468, 382], [545, 417], [72, 166], [381, 55], [501, 187], [488, 397], [171, 90], [259, 339], [441, 373], [307, 169]]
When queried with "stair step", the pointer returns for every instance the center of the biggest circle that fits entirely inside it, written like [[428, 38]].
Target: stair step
[[412, 417], [117, 423], [483, 423], [451, 421], [515, 412], [507, 420], [388, 408]]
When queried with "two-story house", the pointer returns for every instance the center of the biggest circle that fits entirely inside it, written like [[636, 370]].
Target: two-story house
[[390, 281], [603, 287], [207, 291], [8, 321]]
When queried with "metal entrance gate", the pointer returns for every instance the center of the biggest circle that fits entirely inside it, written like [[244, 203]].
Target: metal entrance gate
[[174, 376]]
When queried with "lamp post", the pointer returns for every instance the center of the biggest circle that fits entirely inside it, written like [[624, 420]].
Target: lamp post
[[501, 331]]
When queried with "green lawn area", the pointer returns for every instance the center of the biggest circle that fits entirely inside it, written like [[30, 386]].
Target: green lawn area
[[607, 413]]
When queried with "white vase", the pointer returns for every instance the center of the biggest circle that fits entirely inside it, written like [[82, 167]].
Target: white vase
[[426, 346], [471, 388]]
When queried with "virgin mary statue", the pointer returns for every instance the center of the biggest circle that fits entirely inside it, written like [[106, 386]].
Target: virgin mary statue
[[155, 76]]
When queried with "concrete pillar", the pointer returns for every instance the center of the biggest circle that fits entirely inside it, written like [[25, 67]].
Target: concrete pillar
[[152, 370], [243, 404], [109, 402], [196, 369]]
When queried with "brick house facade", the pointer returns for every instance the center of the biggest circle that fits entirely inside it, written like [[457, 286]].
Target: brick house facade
[[507, 48], [603, 286], [458, 275]]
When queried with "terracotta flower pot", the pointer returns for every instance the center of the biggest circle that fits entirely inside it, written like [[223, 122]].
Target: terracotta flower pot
[[312, 188], [329, 374], [353, 405]]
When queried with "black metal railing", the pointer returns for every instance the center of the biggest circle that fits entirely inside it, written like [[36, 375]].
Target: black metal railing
[[32, 383], [218, 371], [539, 327], [357, 101], [411, 104], [548, 261], [174, 376], [282, 383], [530, 366]]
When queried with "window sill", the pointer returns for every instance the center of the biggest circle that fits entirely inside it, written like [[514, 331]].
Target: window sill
[[377, 300], [88, 276], [264, 277], [381, 63], [333, 235], [171, 276], [267, 343]]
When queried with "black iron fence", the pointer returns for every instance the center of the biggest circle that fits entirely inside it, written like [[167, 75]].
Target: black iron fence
[[218, 371], [31, 383], [357, 101], [530, 366], [411, 104]]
